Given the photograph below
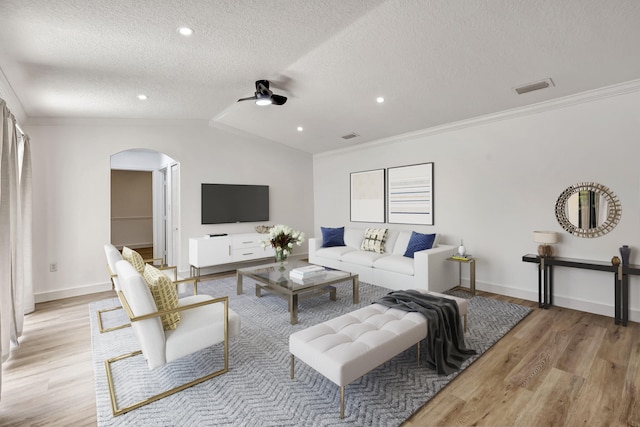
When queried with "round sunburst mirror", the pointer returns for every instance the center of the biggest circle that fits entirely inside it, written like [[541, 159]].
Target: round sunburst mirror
[[588, 209]]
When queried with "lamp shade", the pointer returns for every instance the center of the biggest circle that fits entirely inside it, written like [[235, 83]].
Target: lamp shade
[[545, 237]]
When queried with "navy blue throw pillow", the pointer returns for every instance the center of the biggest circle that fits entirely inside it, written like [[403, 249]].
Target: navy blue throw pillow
[[419, 242], [332, 237]]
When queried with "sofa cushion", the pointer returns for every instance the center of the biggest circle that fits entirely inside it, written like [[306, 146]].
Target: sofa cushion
[[332, 237], [419, 242], [335, 252], [353, 237], [390, 243], [401, 243], [164, 294], [374, 239], [396, 264], [365, 258], [134, 258]]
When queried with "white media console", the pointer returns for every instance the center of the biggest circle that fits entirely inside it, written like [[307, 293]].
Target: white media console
[[217, 250]]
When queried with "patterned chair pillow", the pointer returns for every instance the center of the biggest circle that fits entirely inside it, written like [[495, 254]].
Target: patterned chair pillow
[[164, 294], [134, 258], [374, 240]]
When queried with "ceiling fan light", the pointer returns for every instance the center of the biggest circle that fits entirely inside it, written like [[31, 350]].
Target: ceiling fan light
[[263, 101], [185, 31]]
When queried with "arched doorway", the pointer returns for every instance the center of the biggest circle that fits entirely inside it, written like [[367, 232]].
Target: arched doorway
[[145, 202]]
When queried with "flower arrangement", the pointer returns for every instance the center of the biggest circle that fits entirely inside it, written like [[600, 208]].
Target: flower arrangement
[[282, 238]]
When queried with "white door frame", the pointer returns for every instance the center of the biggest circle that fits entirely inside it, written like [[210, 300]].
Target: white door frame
[[165, 194], [173, 223], [159, 216]]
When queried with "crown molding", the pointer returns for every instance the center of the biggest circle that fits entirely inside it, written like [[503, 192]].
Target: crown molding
[[14, 104], [82, 121], [554, 104]]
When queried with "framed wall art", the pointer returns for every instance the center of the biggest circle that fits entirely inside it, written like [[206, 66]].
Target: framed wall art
[[410, 194], [367, 196]]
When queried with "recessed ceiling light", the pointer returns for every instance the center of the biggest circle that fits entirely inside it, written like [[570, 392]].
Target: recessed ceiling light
[[379, 100], [300, 128], [185, 31], [142, 97]]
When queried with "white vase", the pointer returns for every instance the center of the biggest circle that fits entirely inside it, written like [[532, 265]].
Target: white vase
[[461, 249]]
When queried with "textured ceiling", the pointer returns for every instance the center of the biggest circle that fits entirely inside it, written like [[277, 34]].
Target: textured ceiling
[[435, 62]]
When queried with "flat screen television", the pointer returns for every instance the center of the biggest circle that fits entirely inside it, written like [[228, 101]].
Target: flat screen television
[[229, 203]]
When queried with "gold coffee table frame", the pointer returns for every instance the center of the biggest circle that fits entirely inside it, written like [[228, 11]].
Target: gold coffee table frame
[[275, 279]]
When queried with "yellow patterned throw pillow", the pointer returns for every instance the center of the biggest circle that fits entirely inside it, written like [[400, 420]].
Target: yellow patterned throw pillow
[[134, 258], [165, 295], [374, 239]]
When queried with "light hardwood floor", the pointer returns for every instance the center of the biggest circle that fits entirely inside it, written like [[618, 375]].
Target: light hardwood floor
[[557, 367], [48, 379]]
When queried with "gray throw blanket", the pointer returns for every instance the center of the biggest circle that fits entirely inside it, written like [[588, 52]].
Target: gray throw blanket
[[446, 349]]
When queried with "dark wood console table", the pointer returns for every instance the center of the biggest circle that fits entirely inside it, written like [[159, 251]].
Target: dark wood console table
[[620, 283]]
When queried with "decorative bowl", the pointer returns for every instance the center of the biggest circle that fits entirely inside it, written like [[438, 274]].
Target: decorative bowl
[[263, 229]]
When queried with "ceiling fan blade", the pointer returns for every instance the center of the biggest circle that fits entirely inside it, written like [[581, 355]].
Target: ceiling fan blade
[[282, 83], [251, 98], [264, 83], [278, 99]]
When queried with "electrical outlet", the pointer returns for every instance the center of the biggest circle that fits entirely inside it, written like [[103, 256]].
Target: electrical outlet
[[53, 267]]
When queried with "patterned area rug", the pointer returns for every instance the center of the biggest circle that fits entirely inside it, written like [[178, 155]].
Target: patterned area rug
[[257, 390]]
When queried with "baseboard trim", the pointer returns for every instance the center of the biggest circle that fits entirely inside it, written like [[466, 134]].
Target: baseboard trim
[[134, 245], [72, 292], [558, 300]]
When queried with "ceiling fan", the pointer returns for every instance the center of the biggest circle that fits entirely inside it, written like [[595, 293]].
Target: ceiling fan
[[264, 96]]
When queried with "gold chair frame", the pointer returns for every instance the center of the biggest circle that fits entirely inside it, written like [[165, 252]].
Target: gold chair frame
[[114, 406], [105, 310], [113, 286], [175, 274]]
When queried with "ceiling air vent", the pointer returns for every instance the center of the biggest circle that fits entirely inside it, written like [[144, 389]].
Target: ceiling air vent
[[350, 135], [543, 84]]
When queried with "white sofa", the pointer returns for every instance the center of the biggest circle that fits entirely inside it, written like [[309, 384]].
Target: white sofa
[[428, 270]]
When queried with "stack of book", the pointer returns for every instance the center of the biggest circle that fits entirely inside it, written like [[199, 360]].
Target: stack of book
[[306, 272], [465, 257]]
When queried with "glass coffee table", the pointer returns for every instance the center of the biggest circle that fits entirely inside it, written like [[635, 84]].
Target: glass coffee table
[[274, 278]]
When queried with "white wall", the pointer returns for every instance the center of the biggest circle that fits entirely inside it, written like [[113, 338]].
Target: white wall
[[71, 175], [497, 180]]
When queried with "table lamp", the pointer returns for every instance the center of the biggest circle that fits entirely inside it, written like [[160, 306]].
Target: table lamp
[[545, 238]]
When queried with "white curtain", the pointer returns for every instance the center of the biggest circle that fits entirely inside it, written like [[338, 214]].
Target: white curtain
[[16, 284]]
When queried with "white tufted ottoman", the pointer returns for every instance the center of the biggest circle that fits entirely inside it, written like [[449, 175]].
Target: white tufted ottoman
[[345, 348]]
